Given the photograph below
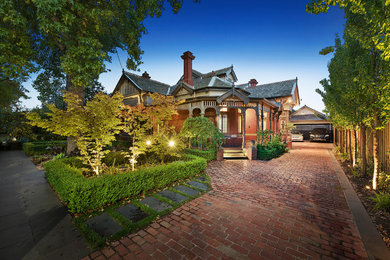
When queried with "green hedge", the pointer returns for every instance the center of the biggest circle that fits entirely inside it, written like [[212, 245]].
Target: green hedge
[[208, 155], [44, 147], [268, 153], [82, 194]]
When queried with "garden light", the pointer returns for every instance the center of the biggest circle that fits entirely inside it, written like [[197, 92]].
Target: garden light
[[148, 142], [171, 143]]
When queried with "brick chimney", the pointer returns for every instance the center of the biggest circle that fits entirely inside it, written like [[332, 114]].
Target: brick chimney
[[146, 75], [188, 57], [253, 83]]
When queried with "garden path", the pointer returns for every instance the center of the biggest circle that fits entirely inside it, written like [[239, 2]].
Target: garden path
[[33, 222]]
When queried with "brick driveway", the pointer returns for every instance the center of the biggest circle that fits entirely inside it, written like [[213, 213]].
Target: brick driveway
[[287, 208]]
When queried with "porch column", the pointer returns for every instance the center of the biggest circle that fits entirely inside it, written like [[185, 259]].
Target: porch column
[[190, 110], [257, 119], [243, 111], [202, 109], [262, 117], [218, 118], [270, 120]]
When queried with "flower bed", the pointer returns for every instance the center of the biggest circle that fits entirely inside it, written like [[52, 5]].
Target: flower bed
[[269, 152], [83, 194]]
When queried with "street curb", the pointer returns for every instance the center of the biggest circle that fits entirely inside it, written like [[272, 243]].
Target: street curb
[[372, 241]]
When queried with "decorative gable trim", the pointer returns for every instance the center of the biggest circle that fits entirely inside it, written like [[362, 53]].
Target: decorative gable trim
[[182, 85], [233, 92]]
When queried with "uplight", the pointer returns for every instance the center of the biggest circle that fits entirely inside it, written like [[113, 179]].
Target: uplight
[[148, 142], [171, 143]]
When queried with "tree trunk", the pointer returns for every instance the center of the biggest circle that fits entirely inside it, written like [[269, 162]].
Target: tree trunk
[[364, 151], [355, 147], [71, 146], [350, 146], [375, 152]]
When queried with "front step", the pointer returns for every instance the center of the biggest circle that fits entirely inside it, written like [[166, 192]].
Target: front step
[[234, 153]]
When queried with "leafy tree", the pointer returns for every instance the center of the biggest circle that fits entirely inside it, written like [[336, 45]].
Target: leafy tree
[[359, 93], [93, 126], [73, 38], [149, 128], [374, 14], [201, 131]]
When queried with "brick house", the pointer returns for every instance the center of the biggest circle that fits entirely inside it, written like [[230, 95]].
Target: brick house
[[237, 110]]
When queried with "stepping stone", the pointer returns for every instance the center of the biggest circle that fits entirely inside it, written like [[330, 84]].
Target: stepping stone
[[202, 178], [197, 185], [155, 204], [104, 225], [187, 190], [132, 213], [175, 197]]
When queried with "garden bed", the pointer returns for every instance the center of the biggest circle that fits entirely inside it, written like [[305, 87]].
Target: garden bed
[[82, 194], [380, 218]]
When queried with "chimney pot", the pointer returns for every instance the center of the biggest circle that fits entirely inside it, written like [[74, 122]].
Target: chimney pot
[[146, 75], [253, 83], [188, 57]]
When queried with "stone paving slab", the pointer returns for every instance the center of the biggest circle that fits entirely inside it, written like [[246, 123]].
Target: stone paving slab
[[257, 210], [198, 185], [187, 190], [132, 213], [202, 178], [104, 225], [175, 197], [155, 204]]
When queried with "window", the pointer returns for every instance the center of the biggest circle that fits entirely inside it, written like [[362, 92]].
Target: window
[[223, 123]]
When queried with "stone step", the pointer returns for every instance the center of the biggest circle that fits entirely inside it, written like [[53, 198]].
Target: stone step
[[234, 154]]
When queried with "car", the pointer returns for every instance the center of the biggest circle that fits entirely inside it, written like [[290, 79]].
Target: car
[[296, 136], [320, 134]]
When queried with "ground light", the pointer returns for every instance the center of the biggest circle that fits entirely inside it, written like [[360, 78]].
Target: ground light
[[148, 142], [171, 143]]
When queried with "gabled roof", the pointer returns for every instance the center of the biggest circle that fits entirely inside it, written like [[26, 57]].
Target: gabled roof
[[147, 85], [271, 90], [311, 114], [240, 93]]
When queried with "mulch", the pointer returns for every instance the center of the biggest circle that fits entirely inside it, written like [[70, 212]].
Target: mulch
[[362, 187]]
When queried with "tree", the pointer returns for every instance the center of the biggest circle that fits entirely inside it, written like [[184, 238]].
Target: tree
[[93, 126], [201, 130], [75, 38], [374, 13], [359, 93], [149, 128]]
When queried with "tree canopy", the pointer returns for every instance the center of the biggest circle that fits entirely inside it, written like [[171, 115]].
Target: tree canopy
[[72, 37]]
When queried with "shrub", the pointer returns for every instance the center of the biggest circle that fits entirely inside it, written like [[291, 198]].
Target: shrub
[[208, 155], [382, 201], [118, 157], [82, 194], [44, 147]]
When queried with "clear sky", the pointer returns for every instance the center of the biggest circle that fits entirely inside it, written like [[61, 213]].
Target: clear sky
[[266, 40]]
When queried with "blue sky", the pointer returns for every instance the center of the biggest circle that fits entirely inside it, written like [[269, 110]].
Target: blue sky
[[266, 40]]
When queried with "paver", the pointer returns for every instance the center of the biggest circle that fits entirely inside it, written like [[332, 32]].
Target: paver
[[291, 207], [175, 197], [187, 190], [198, 185], [104, 225], [201, 178], [132, 213], [155, 204]]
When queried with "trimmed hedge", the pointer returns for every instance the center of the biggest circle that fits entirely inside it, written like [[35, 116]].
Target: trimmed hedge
[[208, 155], [268, 153], [43, 147], [82, 194]]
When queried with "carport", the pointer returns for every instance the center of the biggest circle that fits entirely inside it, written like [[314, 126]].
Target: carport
[[306, 119]]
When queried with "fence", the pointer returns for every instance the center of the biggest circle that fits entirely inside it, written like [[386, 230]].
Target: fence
[[345, 139]]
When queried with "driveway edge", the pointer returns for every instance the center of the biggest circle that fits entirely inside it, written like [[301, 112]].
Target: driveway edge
[[372, 241]]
